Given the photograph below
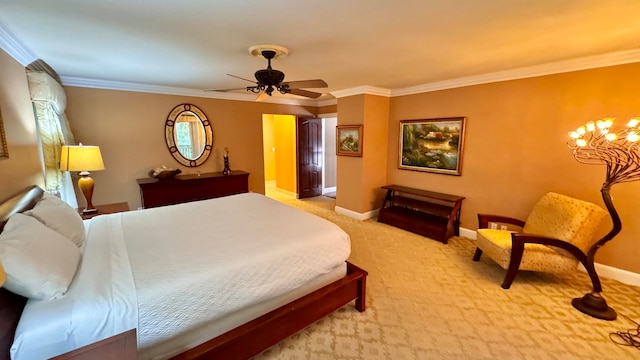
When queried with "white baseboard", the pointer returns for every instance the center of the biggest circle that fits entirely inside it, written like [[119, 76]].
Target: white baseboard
[[609, 272], [357, 215], [605, 271], [469, 234]]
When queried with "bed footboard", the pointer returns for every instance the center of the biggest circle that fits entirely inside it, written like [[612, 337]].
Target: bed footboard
[[259, 334]]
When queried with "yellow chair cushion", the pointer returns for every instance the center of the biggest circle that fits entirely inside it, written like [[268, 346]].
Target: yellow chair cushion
[[554, 216], [565, 218], [496, 244]]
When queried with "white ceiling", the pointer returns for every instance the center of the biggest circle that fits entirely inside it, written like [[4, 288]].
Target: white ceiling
[[192, 44]]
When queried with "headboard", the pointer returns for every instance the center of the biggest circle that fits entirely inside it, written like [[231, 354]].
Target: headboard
[[22, 201], [11, 305]]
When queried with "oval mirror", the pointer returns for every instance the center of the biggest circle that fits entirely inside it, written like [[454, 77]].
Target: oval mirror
[[188, 135]]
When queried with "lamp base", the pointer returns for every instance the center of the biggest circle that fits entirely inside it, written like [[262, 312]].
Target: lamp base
[[593, 304], [89, 211]]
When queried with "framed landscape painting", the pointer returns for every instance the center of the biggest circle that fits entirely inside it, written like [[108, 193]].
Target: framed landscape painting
[[432, 145], [349, 140]]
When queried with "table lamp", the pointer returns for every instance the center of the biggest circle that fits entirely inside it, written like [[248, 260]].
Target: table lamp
[[84, 159]]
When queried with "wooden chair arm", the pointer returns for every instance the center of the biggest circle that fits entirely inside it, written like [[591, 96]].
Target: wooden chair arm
[[517, 248], [520, 239], [485, 219]]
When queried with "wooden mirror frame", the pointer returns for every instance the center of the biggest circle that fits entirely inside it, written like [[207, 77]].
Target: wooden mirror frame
[[4, 152], [169, 134]]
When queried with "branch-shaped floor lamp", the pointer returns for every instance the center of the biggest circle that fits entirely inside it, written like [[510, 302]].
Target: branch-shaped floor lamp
[[596, 143]]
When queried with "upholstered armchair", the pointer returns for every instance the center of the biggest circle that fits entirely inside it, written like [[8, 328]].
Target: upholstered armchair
[[556, 235]]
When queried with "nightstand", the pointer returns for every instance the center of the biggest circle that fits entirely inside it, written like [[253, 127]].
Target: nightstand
[[106, 209]]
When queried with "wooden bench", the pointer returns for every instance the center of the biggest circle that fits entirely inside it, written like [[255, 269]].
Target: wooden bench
[[427, 213]]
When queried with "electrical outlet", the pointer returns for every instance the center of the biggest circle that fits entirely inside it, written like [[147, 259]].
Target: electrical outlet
[[493, 225], [503, 227]]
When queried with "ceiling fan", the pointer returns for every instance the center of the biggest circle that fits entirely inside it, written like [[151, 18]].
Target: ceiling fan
[[270, 80]]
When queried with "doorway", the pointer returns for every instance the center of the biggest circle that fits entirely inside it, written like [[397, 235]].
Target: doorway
[[280, 163]]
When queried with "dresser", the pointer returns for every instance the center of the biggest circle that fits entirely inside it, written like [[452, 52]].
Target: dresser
[[191, 187]]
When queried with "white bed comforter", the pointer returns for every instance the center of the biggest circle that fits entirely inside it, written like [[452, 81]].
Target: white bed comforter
[[189, 264]]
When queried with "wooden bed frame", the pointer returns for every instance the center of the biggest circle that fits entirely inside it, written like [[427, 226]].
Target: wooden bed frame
[[242, 342]]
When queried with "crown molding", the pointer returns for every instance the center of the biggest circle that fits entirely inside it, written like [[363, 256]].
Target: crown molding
[[362, 90], [327, 102], [168, 90], [14, 47], [583, 63]]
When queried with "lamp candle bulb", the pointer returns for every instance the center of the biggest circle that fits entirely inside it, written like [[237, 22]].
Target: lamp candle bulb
[[609, 121], [633, 136]]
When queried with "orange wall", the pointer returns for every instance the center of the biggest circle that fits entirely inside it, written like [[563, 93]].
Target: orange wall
[[285, 143], [129, 128], [23, 167], [328, 109], [359, 178], [267, 148], [374, 146], [515, 147], [349, 170]]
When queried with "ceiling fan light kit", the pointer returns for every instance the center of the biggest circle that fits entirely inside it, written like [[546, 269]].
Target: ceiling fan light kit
[[270, 79], [256, 50]]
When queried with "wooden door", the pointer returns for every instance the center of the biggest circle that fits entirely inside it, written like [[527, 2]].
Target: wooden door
[[309, 157]]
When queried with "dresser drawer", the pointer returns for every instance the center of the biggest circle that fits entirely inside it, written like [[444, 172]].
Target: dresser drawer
[[184, 188]]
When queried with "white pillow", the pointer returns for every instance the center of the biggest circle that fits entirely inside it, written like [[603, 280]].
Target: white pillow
[[59, 216], [39, 262]]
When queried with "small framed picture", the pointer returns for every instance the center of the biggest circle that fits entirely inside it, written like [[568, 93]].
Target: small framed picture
[[432, 145], [349, 140]]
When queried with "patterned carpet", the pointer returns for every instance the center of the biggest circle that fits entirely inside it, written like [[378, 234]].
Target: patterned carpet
[[427, 300]]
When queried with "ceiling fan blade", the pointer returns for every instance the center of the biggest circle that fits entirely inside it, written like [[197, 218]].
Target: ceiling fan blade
[[306, 93], [262, 96], [316, 83], [241, 78], [225, 90]]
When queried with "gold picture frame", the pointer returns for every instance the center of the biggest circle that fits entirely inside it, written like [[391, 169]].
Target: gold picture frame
[[4, 152], [432, 145], [349, 140]]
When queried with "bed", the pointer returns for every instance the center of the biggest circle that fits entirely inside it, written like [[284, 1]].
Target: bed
[[187, 279]]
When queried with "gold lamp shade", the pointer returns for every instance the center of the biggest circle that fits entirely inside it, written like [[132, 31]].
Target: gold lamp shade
[[84, 159], [81, 158]]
